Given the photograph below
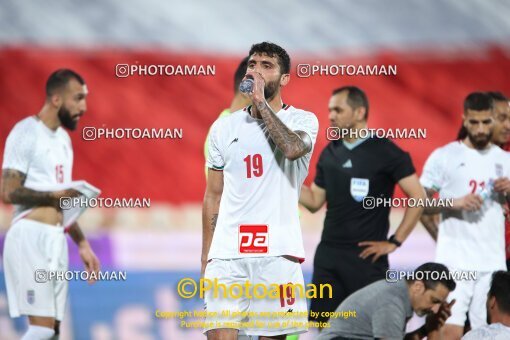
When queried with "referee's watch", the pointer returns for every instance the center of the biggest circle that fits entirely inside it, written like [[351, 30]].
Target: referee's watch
[[393, 240]]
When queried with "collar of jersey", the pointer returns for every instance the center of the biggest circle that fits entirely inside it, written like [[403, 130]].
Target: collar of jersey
[[248, 109], [46, 129], [352, 145]]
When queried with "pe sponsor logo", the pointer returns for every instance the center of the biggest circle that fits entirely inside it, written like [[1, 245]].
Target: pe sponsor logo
[[253, 238]]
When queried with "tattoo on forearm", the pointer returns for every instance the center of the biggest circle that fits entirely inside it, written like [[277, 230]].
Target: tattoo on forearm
[[21, 195], [76, 233], [214, 219], [285, 139], [433, 208]]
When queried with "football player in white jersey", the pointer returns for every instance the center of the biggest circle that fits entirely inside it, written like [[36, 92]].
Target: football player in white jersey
[[258, 160], [474, 173], [38, 151]]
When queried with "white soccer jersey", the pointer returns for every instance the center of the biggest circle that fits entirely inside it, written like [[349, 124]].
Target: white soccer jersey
[[43, 155], [258, 213], [494, 331], [469, 240]]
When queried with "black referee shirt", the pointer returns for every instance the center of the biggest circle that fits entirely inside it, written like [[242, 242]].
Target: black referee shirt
[[371, 168]]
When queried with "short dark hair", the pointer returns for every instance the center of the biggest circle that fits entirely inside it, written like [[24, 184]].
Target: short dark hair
[[478, 101], [462, 133], [500, 289], [443, 275], [272, 50], [59, 79], [355, 97], [497, 96], [240, 73]]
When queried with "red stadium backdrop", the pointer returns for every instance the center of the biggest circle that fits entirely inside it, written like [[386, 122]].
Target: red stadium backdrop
[[427, 92]]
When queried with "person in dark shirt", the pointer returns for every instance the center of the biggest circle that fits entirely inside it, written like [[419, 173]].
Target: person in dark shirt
[[354, 244], [382, 309]]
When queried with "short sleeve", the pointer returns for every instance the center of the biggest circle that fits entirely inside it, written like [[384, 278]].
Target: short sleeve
[[215, 159], [389, 322], [433, 171], [398, 163], [306, 122], [477, 334], [19, 148], [320, 180]]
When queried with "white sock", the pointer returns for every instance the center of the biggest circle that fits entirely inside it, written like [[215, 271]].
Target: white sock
[[38, 333]]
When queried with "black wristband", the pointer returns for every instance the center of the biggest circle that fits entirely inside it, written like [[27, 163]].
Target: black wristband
[[393, 240]]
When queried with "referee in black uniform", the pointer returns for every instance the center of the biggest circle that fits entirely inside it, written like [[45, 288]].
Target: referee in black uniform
[[354, 244]]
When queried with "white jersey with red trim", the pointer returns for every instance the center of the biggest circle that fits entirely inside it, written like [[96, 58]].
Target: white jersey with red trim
[[258, 213], [43, 155], [469, 240]]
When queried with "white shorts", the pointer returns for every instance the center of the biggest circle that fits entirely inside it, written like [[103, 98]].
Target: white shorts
[[31, 247], [269, 316], [471, 297]]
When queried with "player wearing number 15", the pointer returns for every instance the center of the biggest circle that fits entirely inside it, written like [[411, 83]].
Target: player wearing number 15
[[38, 151], [258, 160]]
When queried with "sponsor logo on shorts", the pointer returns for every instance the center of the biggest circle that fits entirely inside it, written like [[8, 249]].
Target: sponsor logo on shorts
[[253, 239]]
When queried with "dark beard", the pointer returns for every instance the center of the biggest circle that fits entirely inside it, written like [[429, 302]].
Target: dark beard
[[479, 144], [270, 89], [66, 120]]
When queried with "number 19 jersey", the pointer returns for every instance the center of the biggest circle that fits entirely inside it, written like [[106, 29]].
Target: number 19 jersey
[[258, 213]]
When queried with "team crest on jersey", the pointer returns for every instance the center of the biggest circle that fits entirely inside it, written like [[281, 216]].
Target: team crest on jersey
[[359, 188], [30, 296], [499, 170]]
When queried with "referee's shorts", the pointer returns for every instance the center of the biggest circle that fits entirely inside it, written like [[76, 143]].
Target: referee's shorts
[[345, 271]]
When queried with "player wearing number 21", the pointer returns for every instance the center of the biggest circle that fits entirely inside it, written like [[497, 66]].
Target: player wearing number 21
[[474, 172], [258, 160]]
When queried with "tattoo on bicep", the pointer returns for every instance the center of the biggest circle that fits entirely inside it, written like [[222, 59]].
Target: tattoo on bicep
[[430, 192], [13, 175], [214, 219], [20, 194], [11, 179]]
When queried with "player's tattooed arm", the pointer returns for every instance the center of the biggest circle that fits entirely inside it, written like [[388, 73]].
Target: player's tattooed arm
[[214, 219], [210, 211], [87, 255], [430, 224], [429, 219], [469, 202], [76, 234], [432, 207], [293, 144], [13, 191]]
